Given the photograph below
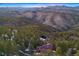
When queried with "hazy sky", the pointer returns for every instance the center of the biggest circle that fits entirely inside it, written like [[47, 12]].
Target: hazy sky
[[37, 4]]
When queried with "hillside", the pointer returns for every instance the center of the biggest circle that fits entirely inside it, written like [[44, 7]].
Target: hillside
[[44, 31], [58, 17]]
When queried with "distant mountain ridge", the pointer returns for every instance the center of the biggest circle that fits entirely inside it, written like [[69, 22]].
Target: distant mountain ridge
[[58, 17]]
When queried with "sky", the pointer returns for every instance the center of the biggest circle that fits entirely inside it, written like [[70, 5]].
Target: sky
[[37, 4]]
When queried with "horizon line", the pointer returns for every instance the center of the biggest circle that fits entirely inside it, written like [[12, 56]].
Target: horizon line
[[38, 4]]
